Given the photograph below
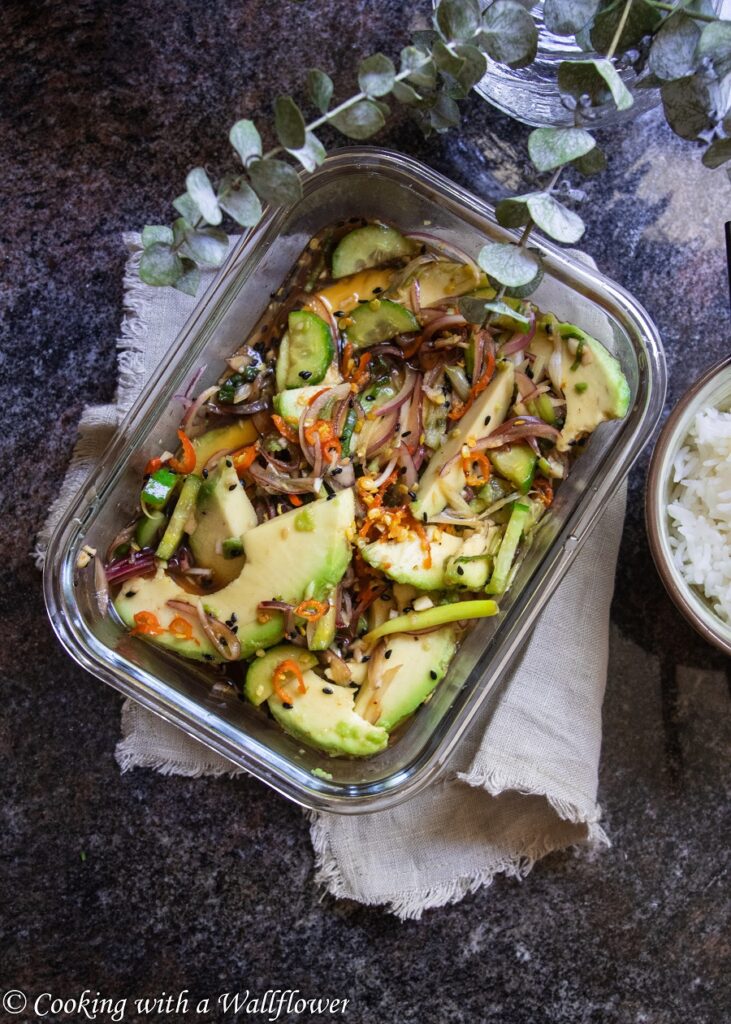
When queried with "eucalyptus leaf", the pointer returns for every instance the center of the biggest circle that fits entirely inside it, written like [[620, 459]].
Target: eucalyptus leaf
[[319, 88], [376, 75], [445, 60], [512, 213], [246, 140], [152, 233], [687, 102], [180, 226], [360, 121], [421, 68], [553, 147], [672, 54], [597, 78], [567, 17], [159, 265], [642, 20], [593, 162], [208, 246], [289, 123], [717, 153], [444, 114], [554, 219], [275, 182], [190, 279], [458, 20], [509, 34], [473, 68], [508, 263], [406, 94], [715, 44], [186, 208], [311, 154], [477, 310], [201, 192], [239, 200], [522, 291]]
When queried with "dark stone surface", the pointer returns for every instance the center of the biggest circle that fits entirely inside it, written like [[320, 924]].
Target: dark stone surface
[[207, 885]]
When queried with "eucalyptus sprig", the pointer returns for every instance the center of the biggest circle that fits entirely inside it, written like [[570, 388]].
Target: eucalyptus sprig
[[683, 48]]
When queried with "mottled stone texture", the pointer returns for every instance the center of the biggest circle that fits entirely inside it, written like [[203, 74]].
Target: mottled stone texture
[[207, 884]]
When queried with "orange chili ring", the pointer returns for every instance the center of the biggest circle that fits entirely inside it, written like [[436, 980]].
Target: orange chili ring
[[152, 466], [313, 399], [243, 458], [146, 624], [361, 373], [468, 465], [295, 499], [187, 463], [181, 629], [284, 429], [311, 610], [347, 360], [332, 445], [283, 669]]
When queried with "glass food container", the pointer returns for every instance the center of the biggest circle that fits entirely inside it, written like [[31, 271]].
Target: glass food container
[[375, 184]]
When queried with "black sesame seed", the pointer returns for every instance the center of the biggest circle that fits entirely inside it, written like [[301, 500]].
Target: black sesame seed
[[337, 471], [370, 398], [229, 463], [388, 654], [234, 617], [326, 689], [487, 420], [232, 487], [305, 374], [366, 657], [406, 433], [353, 686], [338, 312], [408, 609], [208, 657], [286, 706], [424, 516], [412, 495], [460, 570], [205, 474], [234, 629], [130, 593], [432, 673], [377, 291]]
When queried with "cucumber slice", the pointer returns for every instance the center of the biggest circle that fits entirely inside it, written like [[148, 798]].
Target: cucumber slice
[[369, 247], [148, 528], [258, 686], [183, 509], [379, 320], [543, 407], [517, 463], [305, 352], [508, 548]]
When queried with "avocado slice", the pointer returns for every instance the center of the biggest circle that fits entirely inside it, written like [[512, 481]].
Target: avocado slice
[[469, 568], [594, 386], [488, 412], [227, 439], [415, 665], [258, 686], [403, 560], [324, 717], [282, 562], [439, 280], [223, 513]]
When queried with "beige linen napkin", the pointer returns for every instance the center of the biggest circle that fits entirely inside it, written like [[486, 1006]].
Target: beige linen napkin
[[521, 784]]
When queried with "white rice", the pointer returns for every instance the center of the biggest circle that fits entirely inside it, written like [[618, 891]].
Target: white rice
[[700, 511]]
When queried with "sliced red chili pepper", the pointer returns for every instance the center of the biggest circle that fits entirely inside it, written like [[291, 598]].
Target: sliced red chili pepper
[[311, 610], [285, 668], [243, 458], [187, 463], [468, 464], [152, 466], [181, 629], [146, 624], [284, 429]]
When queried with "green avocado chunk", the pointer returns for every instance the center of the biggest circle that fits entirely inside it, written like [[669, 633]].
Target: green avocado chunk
[[258, 686], [281, 562], [403, 560], [414, 667], [324, 717], [594, 386], [223, 514], [369, 246]]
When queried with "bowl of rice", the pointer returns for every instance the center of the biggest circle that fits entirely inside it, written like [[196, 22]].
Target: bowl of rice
[[688, 506]]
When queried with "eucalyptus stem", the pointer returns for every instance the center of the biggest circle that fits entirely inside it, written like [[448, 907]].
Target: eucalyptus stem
[[674, 8], [619, 30]]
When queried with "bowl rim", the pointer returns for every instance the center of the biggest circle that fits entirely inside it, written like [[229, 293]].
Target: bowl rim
[[686, 599]]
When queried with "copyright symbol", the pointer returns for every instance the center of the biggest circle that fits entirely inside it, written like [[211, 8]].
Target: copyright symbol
[[14, 1001]]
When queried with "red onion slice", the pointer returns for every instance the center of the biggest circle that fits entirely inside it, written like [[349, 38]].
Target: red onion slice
[[442, 323], [400, 397], [192, 411], [519, 342]]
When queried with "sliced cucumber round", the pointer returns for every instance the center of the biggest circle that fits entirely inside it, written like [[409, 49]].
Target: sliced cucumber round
[[369, 247], [258, 686], [517, 463], [305, 352], [379, 320]]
